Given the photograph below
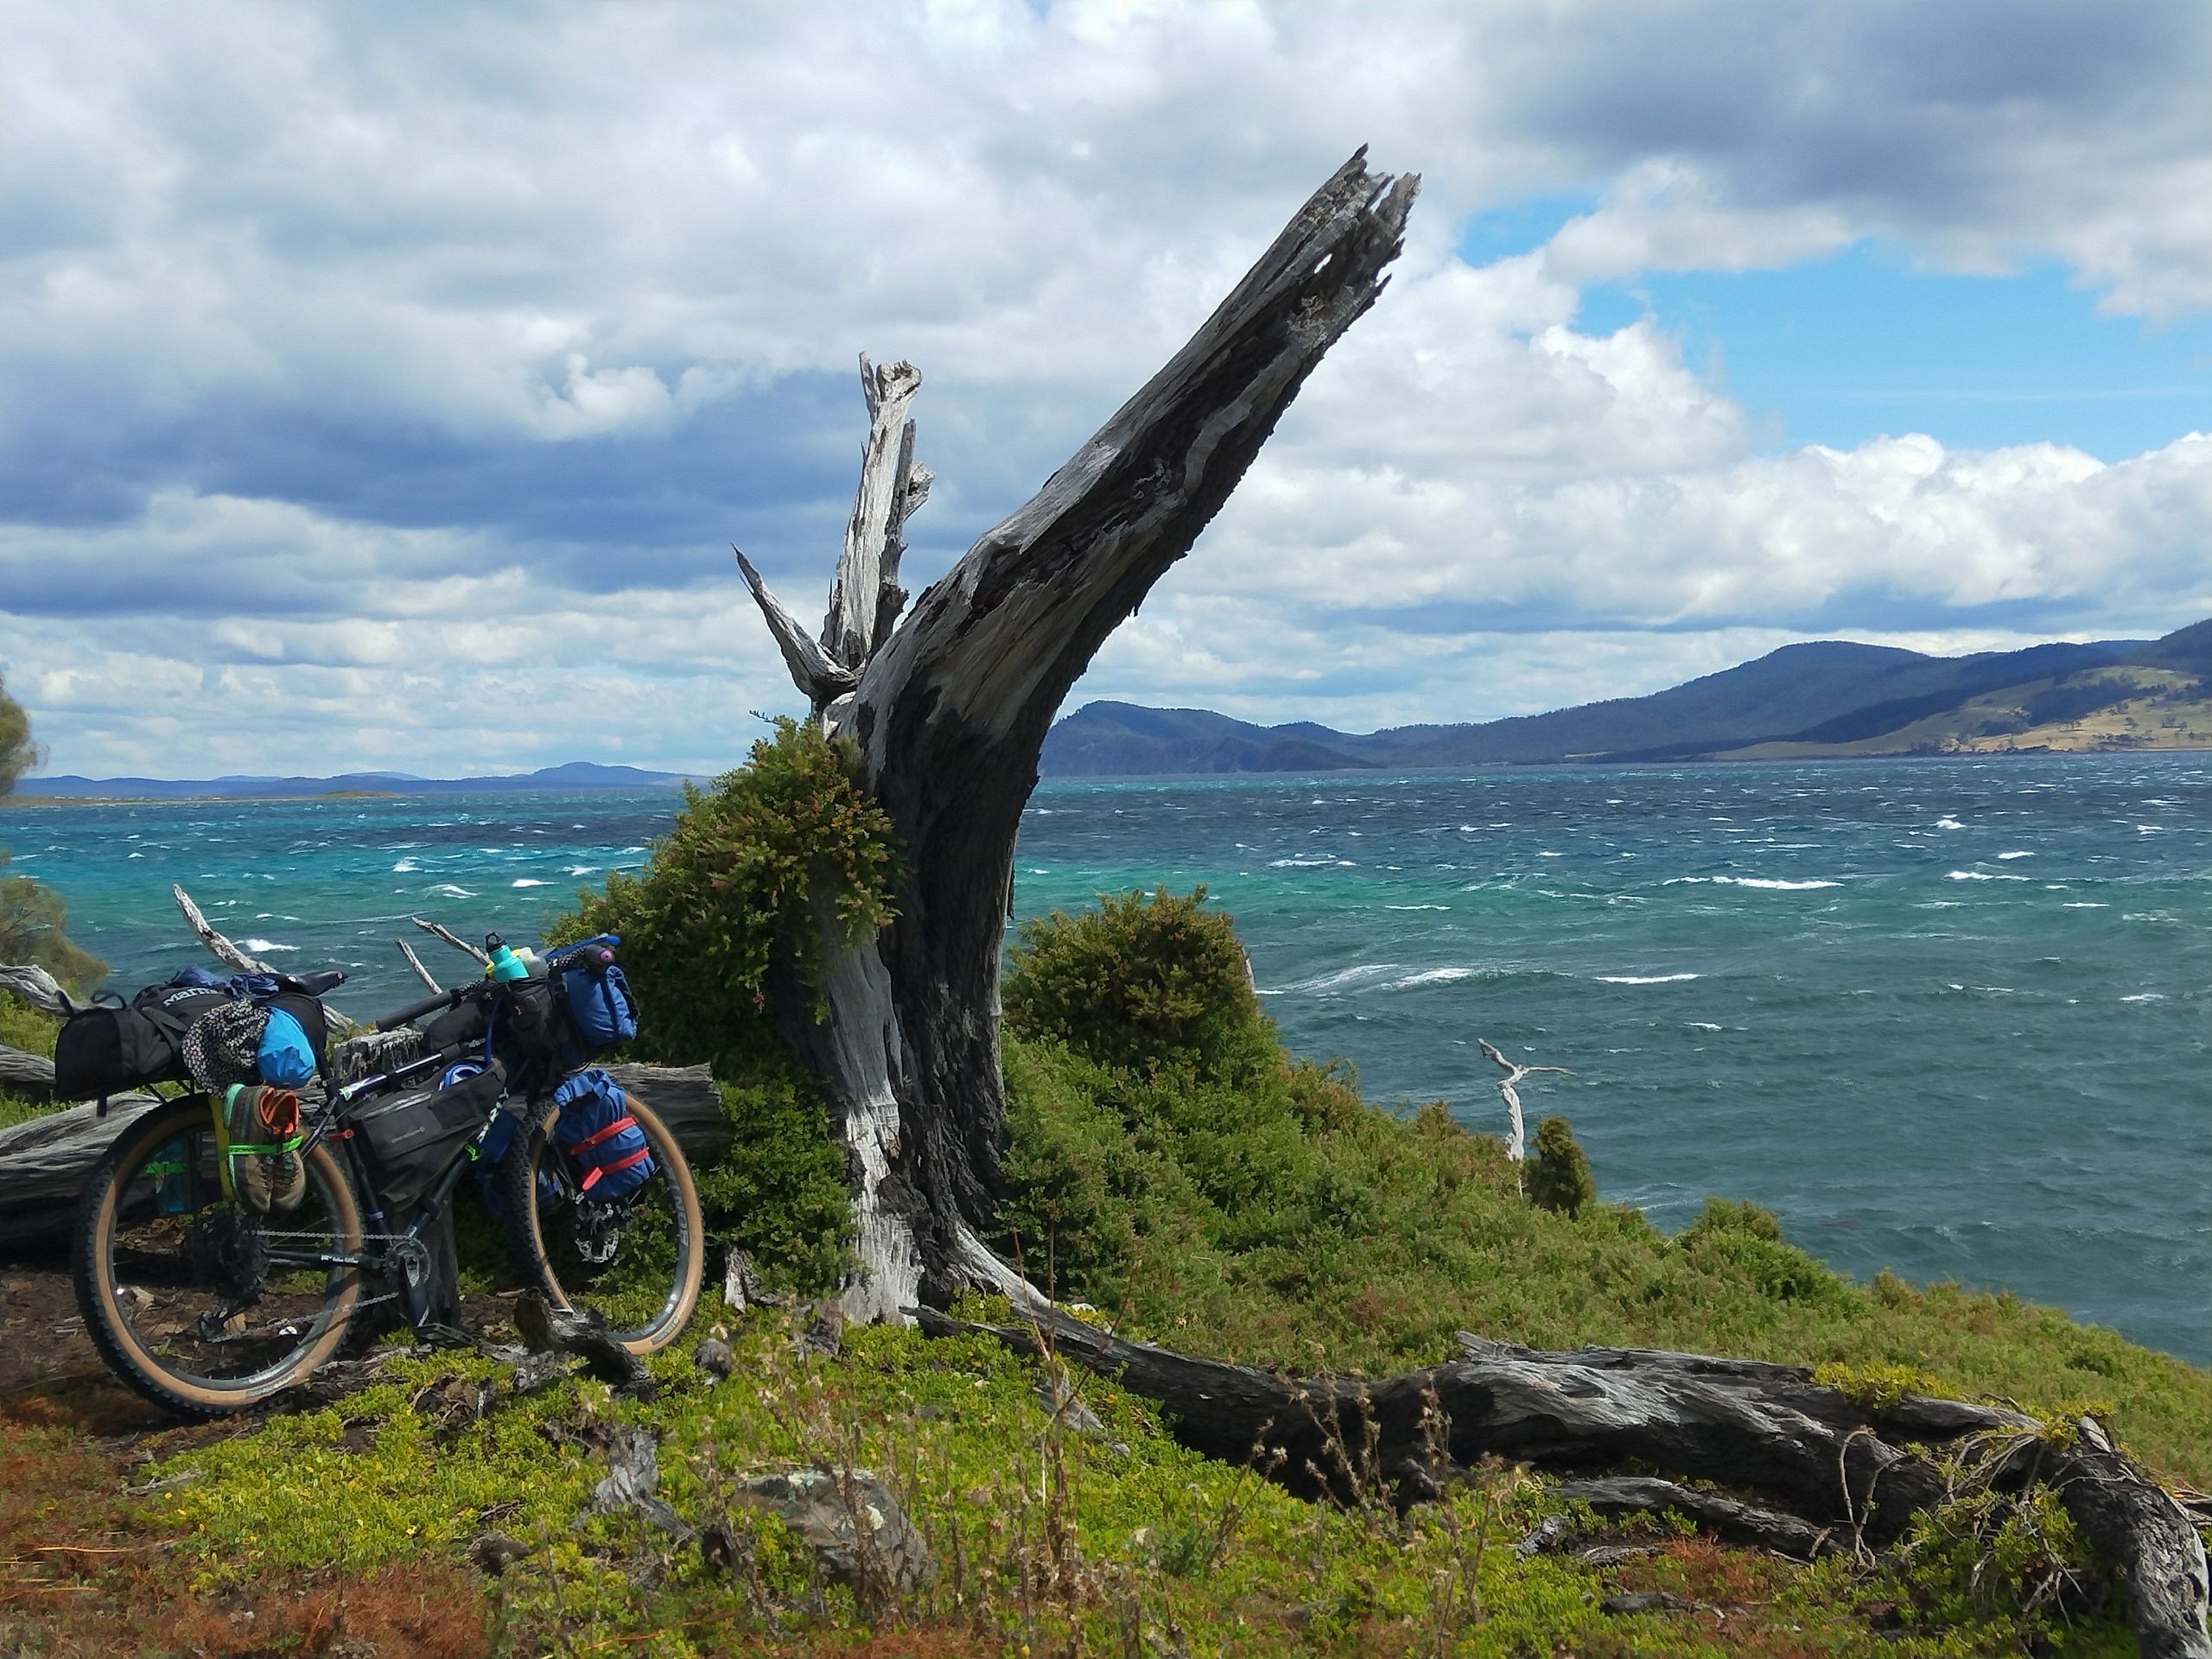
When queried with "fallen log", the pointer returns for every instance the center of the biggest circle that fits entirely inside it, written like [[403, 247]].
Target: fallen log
[[30, 1075], [1854, 1476], [45, 1163]]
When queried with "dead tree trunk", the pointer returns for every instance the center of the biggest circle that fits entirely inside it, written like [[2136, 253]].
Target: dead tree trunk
[[949, 710]]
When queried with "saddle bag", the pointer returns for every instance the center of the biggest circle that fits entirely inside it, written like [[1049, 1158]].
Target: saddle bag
[[112, 1047], [409, 1137]]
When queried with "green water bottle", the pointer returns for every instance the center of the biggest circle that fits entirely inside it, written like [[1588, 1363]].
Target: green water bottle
[[505, 963]]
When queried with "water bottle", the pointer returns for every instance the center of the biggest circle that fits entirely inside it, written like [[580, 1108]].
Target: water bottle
[[504, 964]]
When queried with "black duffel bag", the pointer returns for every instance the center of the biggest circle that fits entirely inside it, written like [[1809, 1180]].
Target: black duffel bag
[[411, 1135], [113, 1047]]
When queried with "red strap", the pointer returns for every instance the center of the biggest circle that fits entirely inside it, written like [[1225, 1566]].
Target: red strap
[[624, 1122], [619, 1164]]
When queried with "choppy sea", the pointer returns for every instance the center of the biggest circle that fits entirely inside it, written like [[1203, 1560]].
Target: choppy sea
[[1947, 1016]]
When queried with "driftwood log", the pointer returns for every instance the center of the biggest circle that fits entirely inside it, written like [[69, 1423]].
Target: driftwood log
[[947, 710], [1836, 1474]]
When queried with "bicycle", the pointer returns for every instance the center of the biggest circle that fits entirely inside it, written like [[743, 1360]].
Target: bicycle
[[207, 1308]]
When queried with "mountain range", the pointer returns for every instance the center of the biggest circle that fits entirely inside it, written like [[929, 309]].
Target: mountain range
[[1829, 698]]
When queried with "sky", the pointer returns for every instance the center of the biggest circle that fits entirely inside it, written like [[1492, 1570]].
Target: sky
[[383, 386]]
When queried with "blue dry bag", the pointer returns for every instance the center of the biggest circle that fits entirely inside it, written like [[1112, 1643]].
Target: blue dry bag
[[285, 1058], [597, 994], [610, 1152]]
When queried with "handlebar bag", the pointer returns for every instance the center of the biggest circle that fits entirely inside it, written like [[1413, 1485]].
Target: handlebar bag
[[409, 1137], [609, 1152]]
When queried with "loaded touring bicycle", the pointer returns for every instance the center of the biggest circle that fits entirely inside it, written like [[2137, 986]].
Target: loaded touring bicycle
[[237, 1235]]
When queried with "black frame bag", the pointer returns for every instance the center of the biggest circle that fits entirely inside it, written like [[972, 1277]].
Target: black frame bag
[[410, 1136]]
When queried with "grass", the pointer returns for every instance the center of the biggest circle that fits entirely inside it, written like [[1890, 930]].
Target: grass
[[25, 1028]]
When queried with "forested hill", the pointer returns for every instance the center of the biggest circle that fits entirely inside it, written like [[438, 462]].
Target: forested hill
[[1831, 697]]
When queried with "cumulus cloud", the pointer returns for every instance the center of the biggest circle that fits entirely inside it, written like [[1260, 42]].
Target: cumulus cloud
[[360, 358]]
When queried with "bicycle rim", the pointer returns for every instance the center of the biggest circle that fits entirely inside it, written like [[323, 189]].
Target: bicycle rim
[[652, 1242], [197, 1303]]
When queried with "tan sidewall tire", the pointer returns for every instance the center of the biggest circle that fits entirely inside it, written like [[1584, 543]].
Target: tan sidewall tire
[[523, 1222], [112, 1333]]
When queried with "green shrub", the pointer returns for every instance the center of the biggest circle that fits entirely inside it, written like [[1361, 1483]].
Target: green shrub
[[1153, 984], [1559, 1175], [753, 867], [780, 1193]]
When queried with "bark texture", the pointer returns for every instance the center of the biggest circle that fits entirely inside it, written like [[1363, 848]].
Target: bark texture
[[950, 711]]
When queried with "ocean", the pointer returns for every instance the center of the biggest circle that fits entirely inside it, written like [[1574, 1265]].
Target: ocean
[[1946, 1016]]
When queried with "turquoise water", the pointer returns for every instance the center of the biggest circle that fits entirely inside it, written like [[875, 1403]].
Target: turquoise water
[[1945, 1016]]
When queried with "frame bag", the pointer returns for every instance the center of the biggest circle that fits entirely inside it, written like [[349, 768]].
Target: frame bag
[[409, 1137]]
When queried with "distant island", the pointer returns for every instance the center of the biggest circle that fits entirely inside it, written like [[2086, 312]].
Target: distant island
[[1831, 698], [573, 775]]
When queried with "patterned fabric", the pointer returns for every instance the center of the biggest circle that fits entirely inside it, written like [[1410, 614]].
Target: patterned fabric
[[220, 1046]]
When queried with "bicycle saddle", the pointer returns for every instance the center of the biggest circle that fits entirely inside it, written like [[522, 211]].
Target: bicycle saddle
[[321, 983]]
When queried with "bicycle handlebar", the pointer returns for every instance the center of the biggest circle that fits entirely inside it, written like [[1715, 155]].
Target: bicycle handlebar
[[428, 1005]]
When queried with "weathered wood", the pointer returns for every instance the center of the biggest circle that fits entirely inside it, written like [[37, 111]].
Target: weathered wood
[[453, 939], [1516, 1145], [812, 670], [952, 707], [30, 1075], [867, 571], [36, 987], [45, 1163], [2138, 1524], [220, 947], [429, 980], [1842, 1475], [1737, 1523]]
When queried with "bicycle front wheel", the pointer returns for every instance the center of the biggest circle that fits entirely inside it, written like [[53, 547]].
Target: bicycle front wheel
[[638, 1262], [198, 1303]]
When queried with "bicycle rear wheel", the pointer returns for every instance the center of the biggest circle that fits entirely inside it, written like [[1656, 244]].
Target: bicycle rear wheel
[[197, 1303], [638, 1263]]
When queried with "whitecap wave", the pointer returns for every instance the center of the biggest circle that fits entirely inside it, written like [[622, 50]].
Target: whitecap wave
[[266, 947], [1341, 978], [1416, 906], [405, 866], [2145, 996], [1773, 883], [1980, 875], [1430, 976], [1299, 863], [137, 855], [528, 881], [453, 892], [580, 869], [2016, 855], [1645, 979], [1701, 1025], [1949, 823], [2083, 903]]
